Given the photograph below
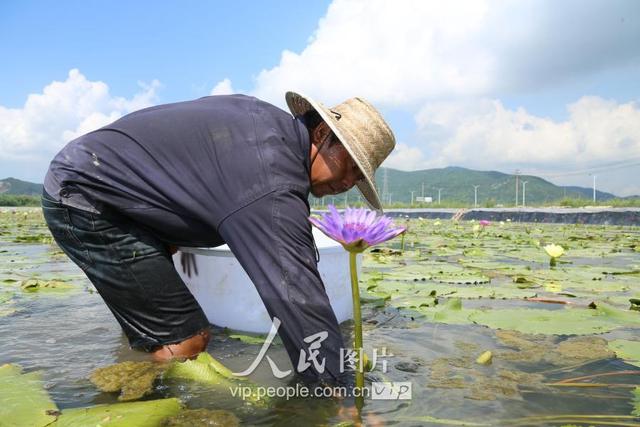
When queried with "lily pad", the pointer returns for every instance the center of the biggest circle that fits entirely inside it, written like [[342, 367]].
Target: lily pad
[[438, 272], [248, 339], [389, 288], [39, 285], [149, 413], [207, 370], [6, 303], [451, 312], [636, 402], [24, 400], [473, 292], [627, 350], [563, 321]]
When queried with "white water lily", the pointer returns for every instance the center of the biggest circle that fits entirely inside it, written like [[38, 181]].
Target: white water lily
[[437, 223], [476, 228]]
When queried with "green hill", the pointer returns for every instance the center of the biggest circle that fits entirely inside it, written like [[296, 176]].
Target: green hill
[[14, 186], [456, 186]]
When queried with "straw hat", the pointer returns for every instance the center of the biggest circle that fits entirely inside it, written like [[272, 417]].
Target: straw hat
[[362, 131]]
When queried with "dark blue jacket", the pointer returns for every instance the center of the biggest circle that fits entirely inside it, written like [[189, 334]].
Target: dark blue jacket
[[181, 169]]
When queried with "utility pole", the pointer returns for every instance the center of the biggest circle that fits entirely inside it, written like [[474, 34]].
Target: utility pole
[[412, 198], [390, 198], [423, 191], [475, 196], [524, 189], [439, 190], [385, 184], [594, 188], [517, 184]]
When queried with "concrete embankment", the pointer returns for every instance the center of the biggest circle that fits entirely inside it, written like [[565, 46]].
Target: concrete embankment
[[588, 215]]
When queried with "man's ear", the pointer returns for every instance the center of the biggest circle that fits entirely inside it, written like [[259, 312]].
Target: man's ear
[[319, 133]]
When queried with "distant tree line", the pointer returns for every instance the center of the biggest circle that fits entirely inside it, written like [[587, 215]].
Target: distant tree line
[[19, 200]]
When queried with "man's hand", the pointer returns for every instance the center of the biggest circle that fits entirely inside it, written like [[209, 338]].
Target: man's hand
[[188, 262]]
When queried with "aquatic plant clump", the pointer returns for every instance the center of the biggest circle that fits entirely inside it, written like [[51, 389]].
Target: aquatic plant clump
[[202, 418], [132, 379]]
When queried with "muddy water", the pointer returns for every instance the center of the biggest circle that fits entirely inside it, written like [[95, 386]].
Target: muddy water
[[68, 335]]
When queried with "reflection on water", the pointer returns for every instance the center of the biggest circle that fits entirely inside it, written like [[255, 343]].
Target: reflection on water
[[68, 336]]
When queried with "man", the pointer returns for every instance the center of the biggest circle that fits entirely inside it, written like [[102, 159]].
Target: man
[[221, 169]]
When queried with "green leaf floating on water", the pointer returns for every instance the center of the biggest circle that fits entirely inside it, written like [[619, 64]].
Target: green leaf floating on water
[[559, 321], [26, 403], [248, 339], [438, 272], [24, 400], [7, 305], [204, 369], [39, 285], [451, 312], [376, 300], [627, 350], [256, 339], [207, 370], [408, 290], [150, 413], [636, 401]]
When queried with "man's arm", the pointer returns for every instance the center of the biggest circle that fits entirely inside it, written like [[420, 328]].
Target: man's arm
[[273, 241]]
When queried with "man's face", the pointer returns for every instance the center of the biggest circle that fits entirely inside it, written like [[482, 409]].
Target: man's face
[[333, 171]]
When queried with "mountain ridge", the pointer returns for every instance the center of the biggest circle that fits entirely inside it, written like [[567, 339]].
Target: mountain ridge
[[454, 182]]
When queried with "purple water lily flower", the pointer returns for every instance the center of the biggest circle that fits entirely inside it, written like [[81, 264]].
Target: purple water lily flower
[[484, 222], [358, 228]]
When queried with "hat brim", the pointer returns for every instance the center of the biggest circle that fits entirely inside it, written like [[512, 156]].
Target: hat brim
[[299, 105]]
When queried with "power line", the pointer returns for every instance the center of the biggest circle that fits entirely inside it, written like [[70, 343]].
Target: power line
[[620, 164]]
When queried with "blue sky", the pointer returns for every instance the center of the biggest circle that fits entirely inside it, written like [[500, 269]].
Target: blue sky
[[550, 88], [188, 46]]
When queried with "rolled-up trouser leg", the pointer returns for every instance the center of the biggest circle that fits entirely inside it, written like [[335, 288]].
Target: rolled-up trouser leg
[[131, 270]]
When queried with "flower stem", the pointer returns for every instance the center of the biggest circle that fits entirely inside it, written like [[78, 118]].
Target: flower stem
[[357, 319], [552, 262]]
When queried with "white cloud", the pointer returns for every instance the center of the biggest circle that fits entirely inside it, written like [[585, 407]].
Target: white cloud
[[406, 158], [403, 52], [483, 134], [63, 111], [223, 87]]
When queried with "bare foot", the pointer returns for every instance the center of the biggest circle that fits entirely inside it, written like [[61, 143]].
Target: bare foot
[[187, 349]]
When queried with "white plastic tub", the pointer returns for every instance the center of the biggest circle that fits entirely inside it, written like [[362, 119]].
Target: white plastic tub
[[229, 299]]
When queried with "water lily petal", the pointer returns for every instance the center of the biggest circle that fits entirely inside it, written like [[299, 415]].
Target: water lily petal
[[357, 228]]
